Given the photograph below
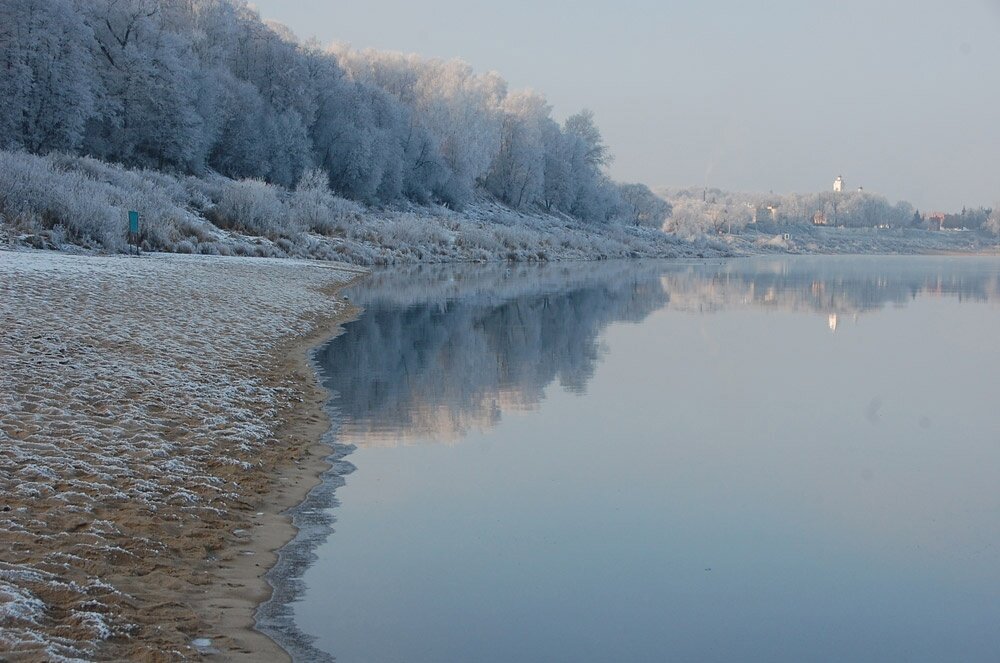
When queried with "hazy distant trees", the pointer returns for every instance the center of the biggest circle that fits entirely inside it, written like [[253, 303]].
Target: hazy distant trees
[[993, 221], [969, 218], [698, 210], [206, 85]]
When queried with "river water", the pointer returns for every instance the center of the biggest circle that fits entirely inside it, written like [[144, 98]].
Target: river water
[[793, 459]]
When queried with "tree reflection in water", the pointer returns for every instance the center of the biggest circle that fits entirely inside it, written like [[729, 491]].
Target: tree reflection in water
[[442, 350]]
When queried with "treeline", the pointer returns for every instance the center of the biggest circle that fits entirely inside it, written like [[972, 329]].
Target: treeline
[[199, 86], [699, 210], [969, 218]]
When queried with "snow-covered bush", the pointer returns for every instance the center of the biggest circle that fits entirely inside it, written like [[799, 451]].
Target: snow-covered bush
[[252, 206], [315, 206], [476, 237], [36, 195], [89, 200], [410, 230]]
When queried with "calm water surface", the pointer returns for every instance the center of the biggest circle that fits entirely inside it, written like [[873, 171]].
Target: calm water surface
[[768, 460]]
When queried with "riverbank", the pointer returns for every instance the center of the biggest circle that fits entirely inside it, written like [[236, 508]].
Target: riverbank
[[157, 417], [80, 204], [825, 240]]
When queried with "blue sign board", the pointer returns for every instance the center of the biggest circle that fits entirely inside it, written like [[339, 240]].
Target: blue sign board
[[133, 222]]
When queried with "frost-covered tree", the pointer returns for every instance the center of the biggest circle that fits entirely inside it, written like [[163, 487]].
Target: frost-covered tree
[[359, 146], [643, 207], [517, 174], [703, 210], [147, 113], [47, 80], [207, 85], [455, 116], [559, 190], [575, 183], [993, 220], [583, 127]]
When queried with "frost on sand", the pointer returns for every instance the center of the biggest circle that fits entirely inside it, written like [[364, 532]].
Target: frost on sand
[[139, 405]]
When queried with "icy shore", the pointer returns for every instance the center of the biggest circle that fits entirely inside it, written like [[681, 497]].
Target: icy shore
[[143, 412]]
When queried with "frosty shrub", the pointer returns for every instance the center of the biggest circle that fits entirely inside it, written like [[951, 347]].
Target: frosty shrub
[[252, 206], [475, 237], [90, 199], [410, 230], [58, 200], [315, 207], [33, 191]]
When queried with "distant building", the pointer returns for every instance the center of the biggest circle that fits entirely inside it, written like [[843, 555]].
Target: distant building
[[832, 322], [838, 184]]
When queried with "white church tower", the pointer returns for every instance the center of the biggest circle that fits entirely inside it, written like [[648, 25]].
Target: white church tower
[[838, 184]]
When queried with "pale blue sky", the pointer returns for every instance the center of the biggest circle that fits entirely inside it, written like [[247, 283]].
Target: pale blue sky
[[901, 96]]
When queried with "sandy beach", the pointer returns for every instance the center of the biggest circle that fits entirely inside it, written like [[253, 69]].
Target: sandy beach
[[157, 417]]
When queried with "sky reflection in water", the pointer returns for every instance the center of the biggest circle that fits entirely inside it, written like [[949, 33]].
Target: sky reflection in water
[[774, 459]]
